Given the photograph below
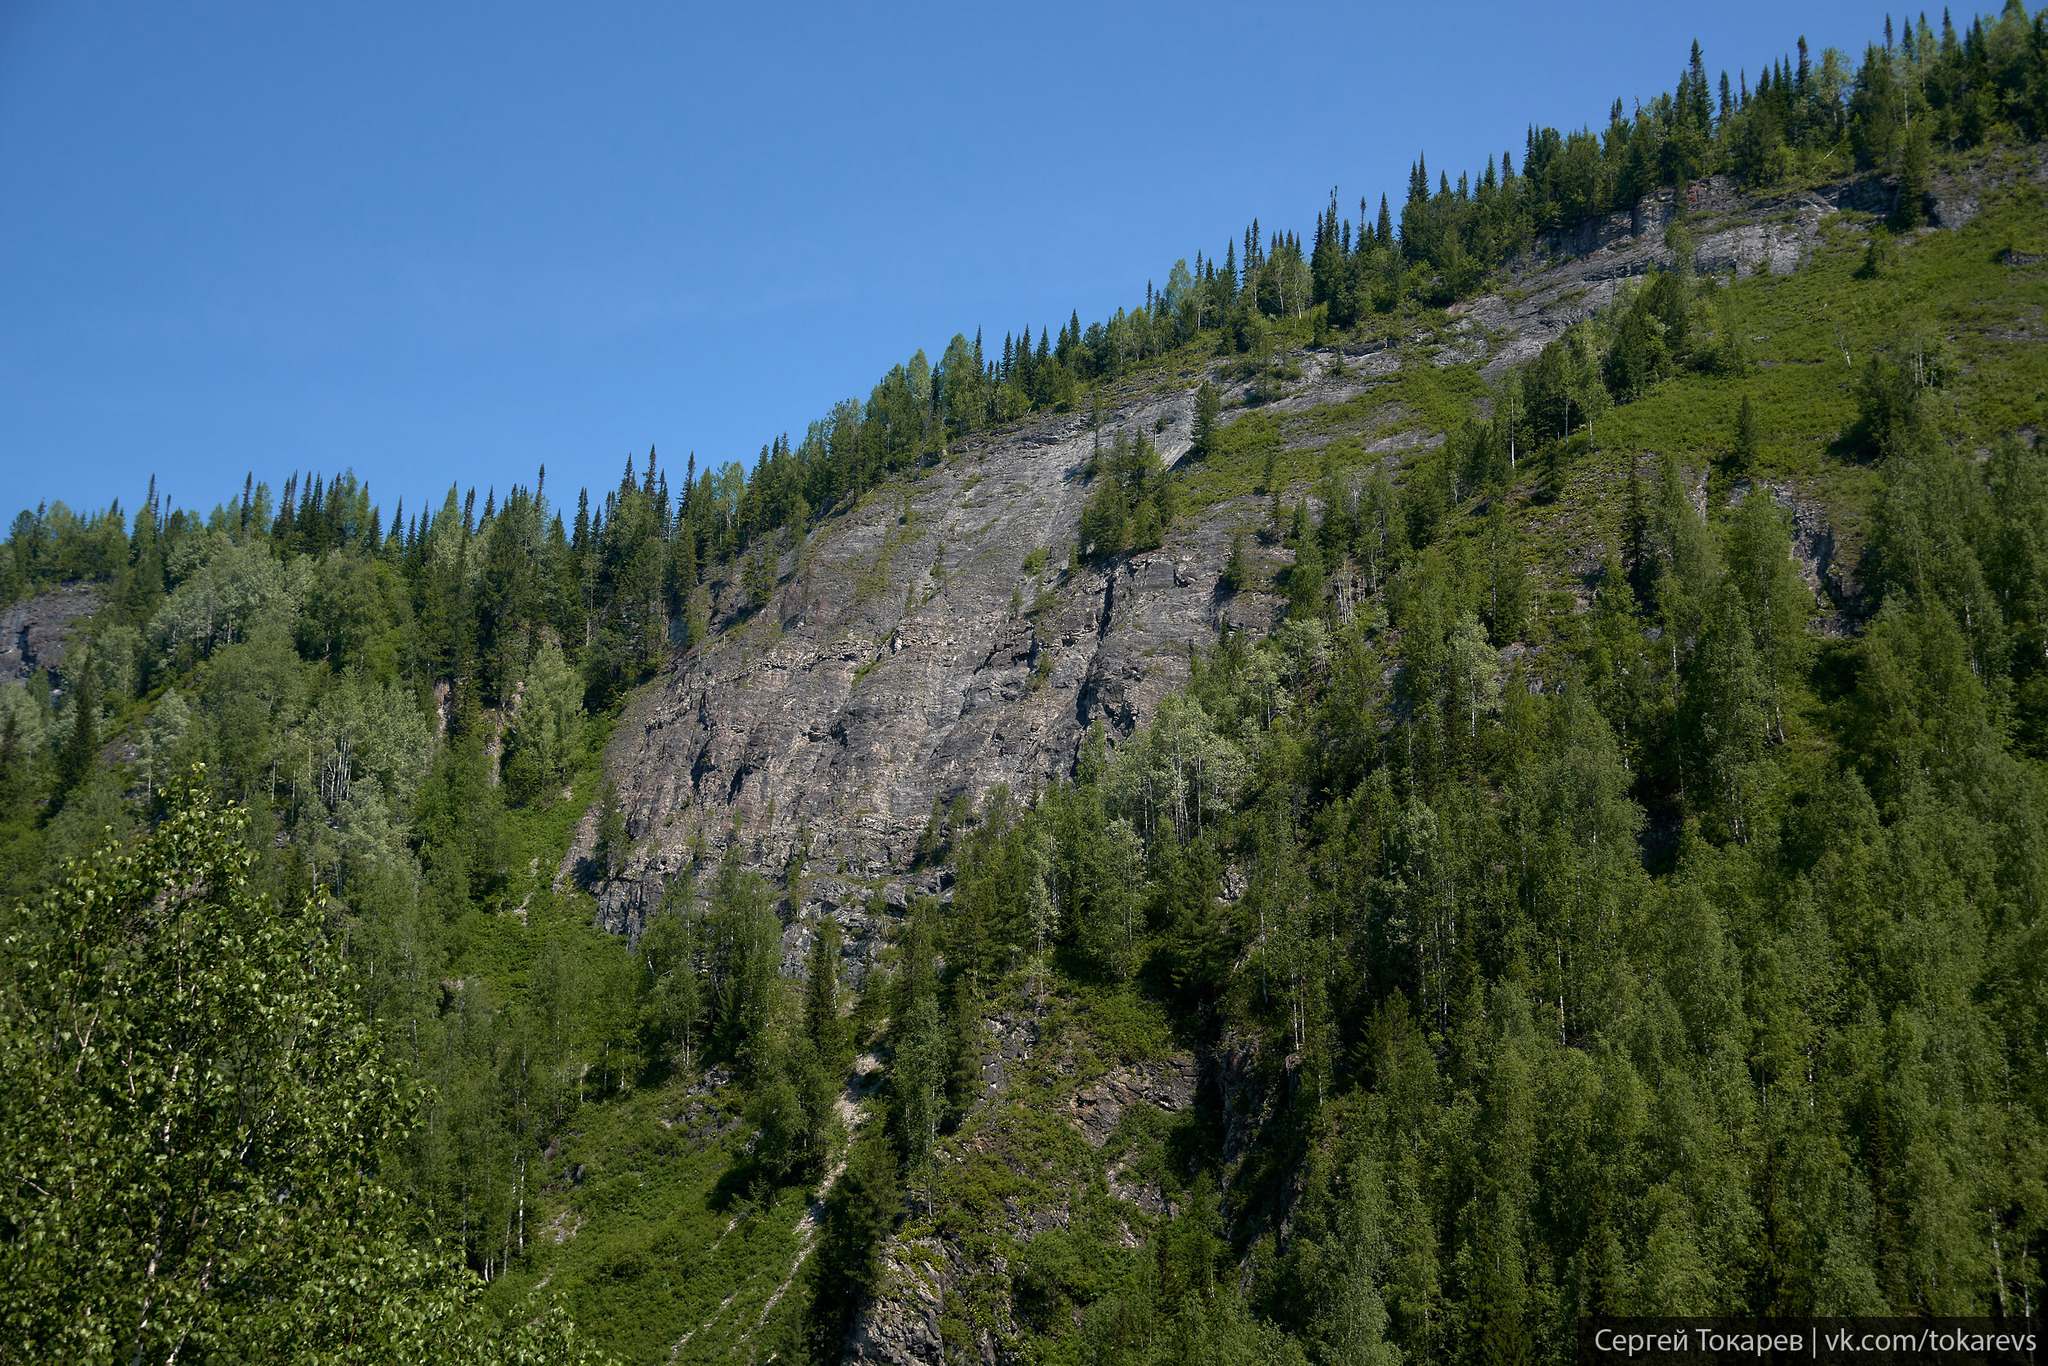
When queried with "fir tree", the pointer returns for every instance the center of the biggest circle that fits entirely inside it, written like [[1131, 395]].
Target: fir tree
[[821, 997], [81, 751], [1208, 404], [1743, 457], [1913, 179]]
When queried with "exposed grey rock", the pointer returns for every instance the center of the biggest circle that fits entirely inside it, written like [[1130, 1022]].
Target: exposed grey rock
[[900, 1326], [1834, 583], [1010, 1037], [1573, 274], [1096, 1108], [35, 632], [1130, 1189], [900, 661], [906, 655]]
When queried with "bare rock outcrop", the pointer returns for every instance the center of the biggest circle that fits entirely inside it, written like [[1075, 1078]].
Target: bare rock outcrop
[[909, 654], [900, 1326], [1096, 1108], [35, 632]]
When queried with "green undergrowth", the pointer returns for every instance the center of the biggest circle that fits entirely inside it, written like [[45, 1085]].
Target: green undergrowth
[[1118, 1023], [648, 1220], [1947, 291], [651, 1228]]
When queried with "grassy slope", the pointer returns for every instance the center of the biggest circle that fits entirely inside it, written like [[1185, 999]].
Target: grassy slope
[[649, 1229]]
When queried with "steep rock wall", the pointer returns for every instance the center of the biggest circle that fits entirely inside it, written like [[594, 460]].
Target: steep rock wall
[[908, 655]]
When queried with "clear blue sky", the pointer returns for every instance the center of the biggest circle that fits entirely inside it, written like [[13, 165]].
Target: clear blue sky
[[453, 242]]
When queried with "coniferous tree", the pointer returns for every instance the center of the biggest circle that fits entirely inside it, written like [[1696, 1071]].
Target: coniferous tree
[[1208, 403], [1743, 458], [75, 762], [821, 997], [1912, 210]]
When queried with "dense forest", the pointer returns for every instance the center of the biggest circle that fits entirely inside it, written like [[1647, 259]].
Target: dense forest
[[1656, 953]]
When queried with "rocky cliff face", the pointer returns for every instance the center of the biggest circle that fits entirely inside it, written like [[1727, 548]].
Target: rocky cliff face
[[1062, 1189], [909, 654], [34, 633]]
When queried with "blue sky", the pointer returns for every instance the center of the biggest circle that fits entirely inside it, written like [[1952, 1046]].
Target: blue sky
[[451, 243]]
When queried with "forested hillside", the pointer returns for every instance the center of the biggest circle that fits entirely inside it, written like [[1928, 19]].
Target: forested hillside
[[1430, 779]]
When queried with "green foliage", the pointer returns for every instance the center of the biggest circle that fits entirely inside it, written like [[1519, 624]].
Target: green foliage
[[758, 578], [1237, 573], [549, 734], [1700, 806], [1658, 955], [80, 750], [791, 1113], [1651, 338], [1890, 398], [199, 1108], [822, 1026], [1742, 455], [859, 1212], [1305, 578], [743, 954], [1208, 404], [1880, 255], [670, 948], [1562, 388], [1913, 177], [1505, 608], [1134, 501]]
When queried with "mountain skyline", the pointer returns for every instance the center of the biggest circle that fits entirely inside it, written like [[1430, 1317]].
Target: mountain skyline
[[443, 250]]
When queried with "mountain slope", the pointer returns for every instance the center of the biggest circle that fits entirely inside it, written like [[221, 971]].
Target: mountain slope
[[1410, 791], [908, 658], [908, 654]]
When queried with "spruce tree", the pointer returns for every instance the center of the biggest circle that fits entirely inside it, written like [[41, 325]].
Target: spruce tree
[[1912, 210], [1236, 572], [1208, 403], [859, 1213], [1305, 578], [81, 749], [1743, 458], [963, 1052], [821, 997]]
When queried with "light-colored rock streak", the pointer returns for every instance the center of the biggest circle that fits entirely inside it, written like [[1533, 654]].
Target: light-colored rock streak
[[861, 1083], [901, 659]]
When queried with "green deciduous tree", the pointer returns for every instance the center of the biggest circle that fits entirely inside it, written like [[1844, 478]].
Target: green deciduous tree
[[549, 726], [198, 1110], [670, 948]]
